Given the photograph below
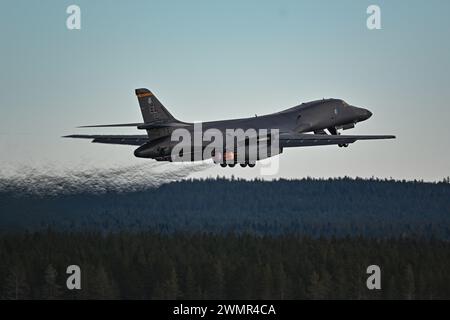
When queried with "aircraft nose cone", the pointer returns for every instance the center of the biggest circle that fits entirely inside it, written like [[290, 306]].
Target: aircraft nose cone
[[365, 114]]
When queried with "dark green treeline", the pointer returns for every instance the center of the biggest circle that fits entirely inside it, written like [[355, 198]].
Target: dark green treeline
[[317, 208], [218, 266]]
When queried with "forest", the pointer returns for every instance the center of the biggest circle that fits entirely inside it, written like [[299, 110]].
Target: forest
[[317, 208], [205, 266], [230, 239]]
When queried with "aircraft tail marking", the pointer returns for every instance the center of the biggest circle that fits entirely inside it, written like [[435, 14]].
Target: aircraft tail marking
[[151, 108]]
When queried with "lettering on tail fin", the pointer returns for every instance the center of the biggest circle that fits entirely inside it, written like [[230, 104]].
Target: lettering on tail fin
[[155, 113], [152, 109]]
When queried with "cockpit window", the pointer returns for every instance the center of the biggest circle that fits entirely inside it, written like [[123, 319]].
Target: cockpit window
[[345, 104]]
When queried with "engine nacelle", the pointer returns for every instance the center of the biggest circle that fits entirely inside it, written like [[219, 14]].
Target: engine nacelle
[[153, 150]]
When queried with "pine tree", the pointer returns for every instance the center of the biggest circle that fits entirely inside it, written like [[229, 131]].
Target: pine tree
[[391, 290], [217, 283], [169, 289], [318, 286], [102, 286], [266, 283], [51, 289], [16, 286], [190, 291], [409, 288], [280, 282]]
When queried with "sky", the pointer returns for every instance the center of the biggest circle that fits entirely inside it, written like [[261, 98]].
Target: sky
[[212, 60]]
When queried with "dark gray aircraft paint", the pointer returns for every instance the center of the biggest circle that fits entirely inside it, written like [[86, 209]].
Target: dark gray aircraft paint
[[300, 126]]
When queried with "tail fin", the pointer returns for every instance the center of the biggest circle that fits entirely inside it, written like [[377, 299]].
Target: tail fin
[[152, 110], [157, 120]]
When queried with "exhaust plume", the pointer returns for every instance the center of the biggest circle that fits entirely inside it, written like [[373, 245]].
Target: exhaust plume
[[53, 180]]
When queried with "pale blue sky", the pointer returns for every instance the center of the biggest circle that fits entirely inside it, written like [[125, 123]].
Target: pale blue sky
[[209, 60]]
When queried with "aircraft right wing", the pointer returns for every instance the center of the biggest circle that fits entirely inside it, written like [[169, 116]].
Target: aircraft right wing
[[304, 139]]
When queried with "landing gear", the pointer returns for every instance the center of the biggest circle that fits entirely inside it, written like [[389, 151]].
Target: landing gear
[[333, 131], [229, 159], [233, 164]]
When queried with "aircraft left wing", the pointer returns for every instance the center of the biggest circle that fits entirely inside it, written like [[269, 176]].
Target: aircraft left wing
[[133, 140], [140, 125], [304, 139]]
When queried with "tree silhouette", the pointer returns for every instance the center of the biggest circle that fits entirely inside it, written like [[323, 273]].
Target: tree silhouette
[[102, 287], [130, 265], [409, 286], [51, 289], [16, 286]]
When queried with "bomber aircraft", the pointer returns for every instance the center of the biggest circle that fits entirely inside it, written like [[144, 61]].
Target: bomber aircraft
[[308, 124]]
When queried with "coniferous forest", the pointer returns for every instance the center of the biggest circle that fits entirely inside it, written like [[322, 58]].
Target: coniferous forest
[[206, 266], [230, 239]]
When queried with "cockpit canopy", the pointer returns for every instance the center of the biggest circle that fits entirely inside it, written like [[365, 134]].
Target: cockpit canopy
[[340, 102]]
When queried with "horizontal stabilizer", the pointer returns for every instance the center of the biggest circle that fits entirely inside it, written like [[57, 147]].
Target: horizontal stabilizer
[[163, 125]]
